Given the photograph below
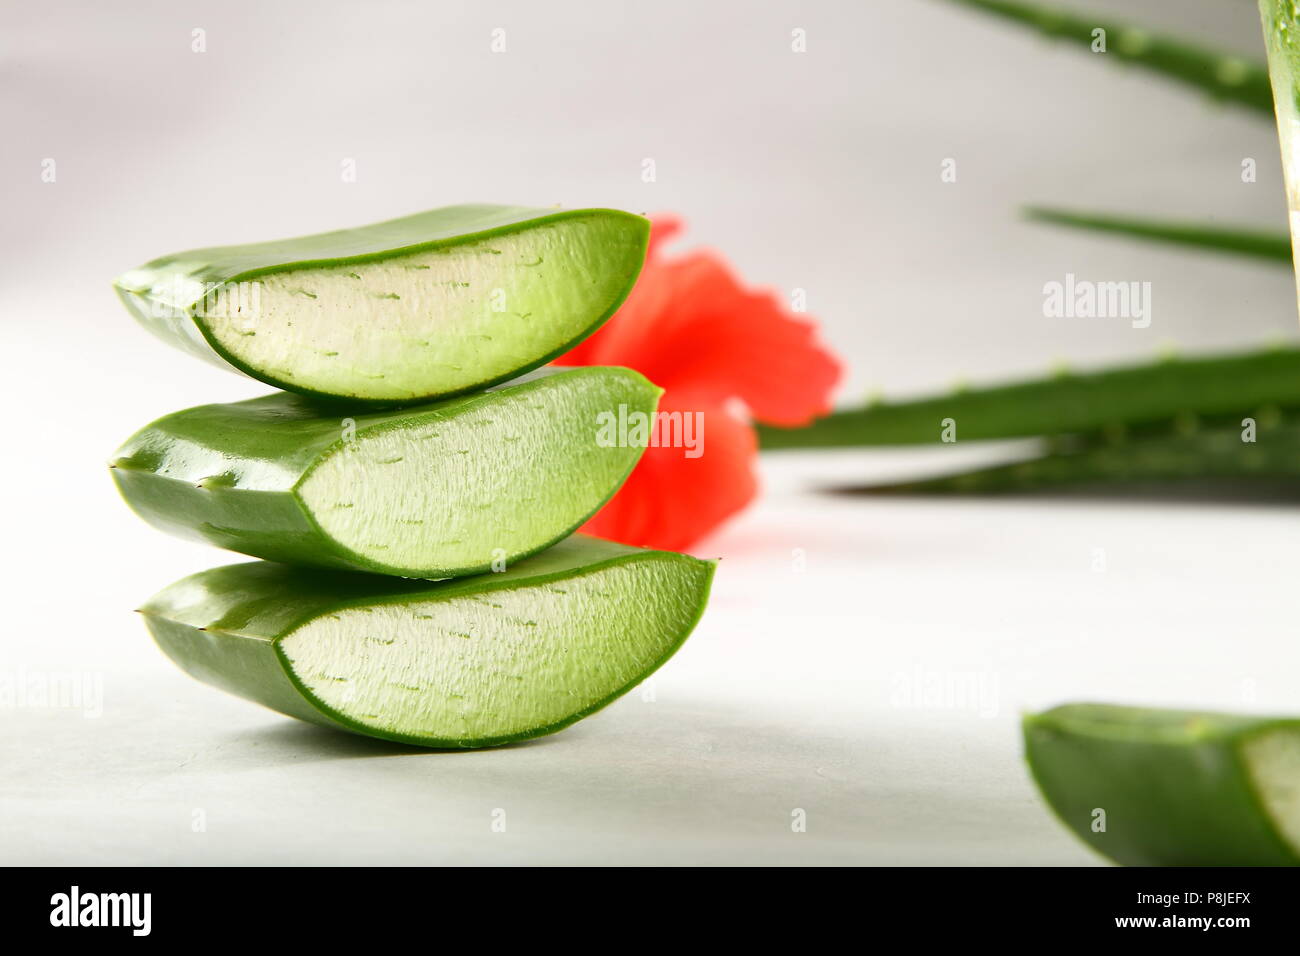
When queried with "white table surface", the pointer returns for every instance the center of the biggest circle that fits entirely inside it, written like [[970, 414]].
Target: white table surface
[[794, 693]]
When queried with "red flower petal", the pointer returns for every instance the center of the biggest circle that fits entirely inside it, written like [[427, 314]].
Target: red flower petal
[[671, 501], [663, 227], [688, 322], [694, 330]]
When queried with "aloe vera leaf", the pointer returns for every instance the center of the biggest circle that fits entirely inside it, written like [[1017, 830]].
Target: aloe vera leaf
[[1171, 788], [1224, 76], [1247, 242], [1210, 454], [435, 304], [1281, 22], [428, 491], [473, 662], [1065, 403]]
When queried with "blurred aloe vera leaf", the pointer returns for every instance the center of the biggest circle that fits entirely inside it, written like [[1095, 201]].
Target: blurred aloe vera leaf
[[1066, 403], [1281, 22], [1219, 454], [1271, 246], [1223, 76]]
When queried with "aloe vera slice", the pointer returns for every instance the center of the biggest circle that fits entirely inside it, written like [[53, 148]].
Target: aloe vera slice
[[1177, 788], [430, 491], [430, 305], [474, 662]]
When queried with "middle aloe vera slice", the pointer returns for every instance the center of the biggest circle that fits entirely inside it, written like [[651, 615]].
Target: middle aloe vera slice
[[431, 491]]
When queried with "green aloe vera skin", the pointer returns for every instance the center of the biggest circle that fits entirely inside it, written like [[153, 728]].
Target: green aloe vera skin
[[431, 305], [1146, 397], [1243, 241], [1171, 788], [439, 490], [1224, 77], [1271, 462], [1281, 20], [475, 662]]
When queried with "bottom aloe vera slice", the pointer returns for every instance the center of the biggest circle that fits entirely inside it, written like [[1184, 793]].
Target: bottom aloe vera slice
[[431, 491], [1170, 787], [473, 662]]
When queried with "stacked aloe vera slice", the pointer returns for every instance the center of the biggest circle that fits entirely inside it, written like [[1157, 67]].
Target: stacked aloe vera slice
[[415, 488]]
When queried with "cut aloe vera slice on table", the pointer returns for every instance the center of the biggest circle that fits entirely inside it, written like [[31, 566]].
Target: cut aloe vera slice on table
[[469, 663], [429, 491], [430, 305], [1169, 787]]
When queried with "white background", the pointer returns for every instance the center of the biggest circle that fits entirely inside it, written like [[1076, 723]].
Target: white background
[[817, 170]]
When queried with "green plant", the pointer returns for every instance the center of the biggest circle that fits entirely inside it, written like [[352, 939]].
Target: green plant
[[1129, 424], [1223, 77]]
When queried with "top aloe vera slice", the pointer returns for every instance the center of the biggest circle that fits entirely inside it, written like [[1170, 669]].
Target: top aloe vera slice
[[1170, 787], [474, 662], [426, 491], [429, 305]]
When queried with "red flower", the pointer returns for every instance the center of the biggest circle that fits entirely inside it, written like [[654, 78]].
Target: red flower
[[719, 350]]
